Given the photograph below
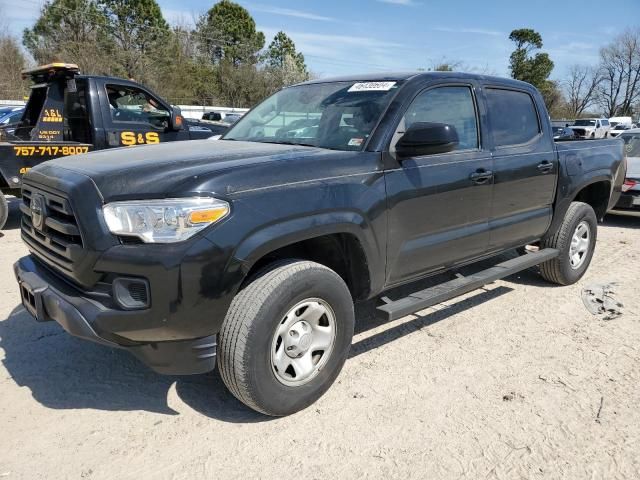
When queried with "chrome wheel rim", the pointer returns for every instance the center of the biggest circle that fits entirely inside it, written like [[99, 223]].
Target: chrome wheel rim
[[303, 342], [579, 245]]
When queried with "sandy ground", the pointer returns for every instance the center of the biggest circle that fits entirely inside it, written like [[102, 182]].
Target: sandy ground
[[514, 381]]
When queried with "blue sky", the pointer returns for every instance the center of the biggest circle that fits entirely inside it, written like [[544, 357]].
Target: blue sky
[[349, 36]]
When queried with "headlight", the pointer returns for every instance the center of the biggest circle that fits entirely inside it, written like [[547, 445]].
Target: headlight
[[164, 221]]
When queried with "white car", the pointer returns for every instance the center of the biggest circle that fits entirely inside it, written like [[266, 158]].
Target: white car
[[630, 198], [620, 128], [591, 128]]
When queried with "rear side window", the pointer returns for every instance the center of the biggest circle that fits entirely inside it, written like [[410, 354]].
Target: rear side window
[[513, 117]]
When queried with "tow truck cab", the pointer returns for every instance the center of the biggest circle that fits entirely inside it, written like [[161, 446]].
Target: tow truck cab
[[68, 113]]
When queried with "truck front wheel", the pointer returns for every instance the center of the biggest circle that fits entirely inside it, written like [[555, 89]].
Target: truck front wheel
[[4, 210], [286, 337], [576, 241]]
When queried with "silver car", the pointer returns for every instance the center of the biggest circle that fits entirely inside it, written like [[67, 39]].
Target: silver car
[[630, 198]]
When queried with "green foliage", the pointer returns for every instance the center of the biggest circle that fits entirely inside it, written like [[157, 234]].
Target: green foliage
[[533, 69], [71, 31], [281, 50], [140, 34], [228, 32], [13, 62]]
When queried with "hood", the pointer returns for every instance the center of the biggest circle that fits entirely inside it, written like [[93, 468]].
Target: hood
[[157, 170]]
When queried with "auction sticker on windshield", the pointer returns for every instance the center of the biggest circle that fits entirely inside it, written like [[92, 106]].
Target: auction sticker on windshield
[[371, 87]]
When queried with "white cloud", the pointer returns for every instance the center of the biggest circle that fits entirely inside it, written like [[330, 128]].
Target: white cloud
[[289, 12], [406, 3], [332, 54]]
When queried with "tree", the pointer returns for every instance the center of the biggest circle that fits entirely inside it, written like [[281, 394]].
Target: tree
[[620, 71], [581, 88], [533, 69], [12, 86], [284, 64], [281, 49], [71, 31], [227, 32], [140, 33]]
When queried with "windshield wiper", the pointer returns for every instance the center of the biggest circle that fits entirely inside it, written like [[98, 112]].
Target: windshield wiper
[[281, 142]]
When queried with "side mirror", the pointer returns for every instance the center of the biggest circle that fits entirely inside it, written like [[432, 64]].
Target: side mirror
[[425, 138], [176, 121]]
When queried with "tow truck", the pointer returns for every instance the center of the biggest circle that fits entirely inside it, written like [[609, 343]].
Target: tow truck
[[68, 114]]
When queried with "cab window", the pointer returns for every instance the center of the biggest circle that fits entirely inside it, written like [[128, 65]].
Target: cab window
[[513, 116], [133, 105], [453, 105]]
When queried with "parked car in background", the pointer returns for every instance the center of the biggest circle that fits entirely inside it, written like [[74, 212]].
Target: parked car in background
[[563, 133], [11, 117], [231, 118], [8, 109], [630, 198], [618, 129], [226, 119], [212, 116], [591, 128], [615, 121], [9, 122]]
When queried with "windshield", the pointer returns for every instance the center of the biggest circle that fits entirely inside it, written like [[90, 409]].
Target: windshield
[[337, 115], [631, 144], [622, 127], [584, 123]]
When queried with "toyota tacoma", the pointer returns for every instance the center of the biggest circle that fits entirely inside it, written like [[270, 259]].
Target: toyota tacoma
[[250, 252]]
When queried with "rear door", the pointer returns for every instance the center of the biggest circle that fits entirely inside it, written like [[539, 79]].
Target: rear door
[[134, 116], [525, 167], [439, 204]]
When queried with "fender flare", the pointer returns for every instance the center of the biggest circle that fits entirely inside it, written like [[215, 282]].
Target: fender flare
[[562, 204], [275, 236]]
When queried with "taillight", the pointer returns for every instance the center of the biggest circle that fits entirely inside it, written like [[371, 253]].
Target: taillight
[[629, 184]]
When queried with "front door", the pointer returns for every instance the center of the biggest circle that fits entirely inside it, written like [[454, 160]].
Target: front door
[[439, 204], [136, 117], [525, 168]]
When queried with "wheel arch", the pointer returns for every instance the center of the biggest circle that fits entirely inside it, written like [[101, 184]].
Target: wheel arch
[[596, 193], [340, 241]]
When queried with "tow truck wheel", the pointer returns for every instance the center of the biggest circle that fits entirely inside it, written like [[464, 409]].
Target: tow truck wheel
[[4, 210], [286, 337], [576, 241]]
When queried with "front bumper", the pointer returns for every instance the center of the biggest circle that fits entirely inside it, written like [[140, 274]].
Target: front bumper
[[48, 298]]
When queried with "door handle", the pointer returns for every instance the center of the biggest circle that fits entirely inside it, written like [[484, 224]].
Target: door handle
[[481, 177], [545, 167]]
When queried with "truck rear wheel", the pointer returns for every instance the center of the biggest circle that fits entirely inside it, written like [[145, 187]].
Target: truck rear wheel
[[4, 210], [286, 337], [576, 241]]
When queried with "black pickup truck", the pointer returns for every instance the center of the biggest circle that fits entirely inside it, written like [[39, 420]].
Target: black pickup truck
[[69, 114], [251, 250]]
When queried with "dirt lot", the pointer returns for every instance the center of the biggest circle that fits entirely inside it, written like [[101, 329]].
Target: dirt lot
[[525, 384]]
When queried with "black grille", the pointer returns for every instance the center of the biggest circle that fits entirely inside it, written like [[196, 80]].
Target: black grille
[[55, 238]]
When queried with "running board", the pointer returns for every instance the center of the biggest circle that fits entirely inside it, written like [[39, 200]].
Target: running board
[[394, 309]]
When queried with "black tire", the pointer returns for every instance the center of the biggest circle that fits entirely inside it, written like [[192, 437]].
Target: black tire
[[4, 210], [246, 338], [559, 270]]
